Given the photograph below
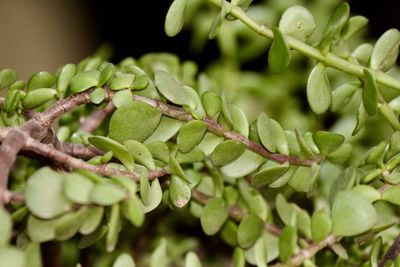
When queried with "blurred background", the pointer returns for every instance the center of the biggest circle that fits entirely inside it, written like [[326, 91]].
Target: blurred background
[[45, 34]]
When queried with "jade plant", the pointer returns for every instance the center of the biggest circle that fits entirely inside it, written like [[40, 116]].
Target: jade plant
[[156, 162]]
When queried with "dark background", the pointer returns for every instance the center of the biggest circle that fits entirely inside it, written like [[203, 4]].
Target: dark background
[[45, 34]]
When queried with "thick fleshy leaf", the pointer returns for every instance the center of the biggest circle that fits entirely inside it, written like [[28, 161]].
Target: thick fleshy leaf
[[7, 77], [194, 155], [281, 142], [135, 120], [352, 214], [159, 150], [321, 225], [362, 117], [64, 77], [279, 53], [77, 188], [214, 216], [265, 132], [93, 219], [209, 142], [327, 141], [229, 233], [254, 200], [107, 193], [160, 258], [13, 100], [88, 240], [285, 210], [353, 25], [175, 168], [304, 178], [122, 97], [226, 109], [386, 50], [319, 93], [340, 155], [179, 192], [170, 88], [389, 115], [5, 227], [12, 257], [42, 79], [298, 22], [119, 151], [122, 81], [287, 243], [211, 103], [240, 122], [40, 230], [392, 195], [84, 80], [370, 93], [107, 71], [269, 175], [97, 96], [226, 152], [250, 229], [133, 210], [44, 194], [192, 260], [38, 97], [140, 153], [243, 165], [175, 17], [239, 259], [166, 129], [113, 228], [155, 196], [342, 95], [368, 192], [190, 135], [124, 260], [69, 224]]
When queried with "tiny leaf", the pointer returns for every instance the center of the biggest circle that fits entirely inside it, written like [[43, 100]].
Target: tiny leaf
[[214, 216], [319, 93], [279, 53]]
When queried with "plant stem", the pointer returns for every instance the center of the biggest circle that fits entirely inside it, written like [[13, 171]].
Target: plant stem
[[392, 252], [91, 123], [328, 59]]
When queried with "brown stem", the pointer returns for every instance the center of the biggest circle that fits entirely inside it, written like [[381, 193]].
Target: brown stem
[[91, 123], [392, 252], [308, 252], [81, 151]]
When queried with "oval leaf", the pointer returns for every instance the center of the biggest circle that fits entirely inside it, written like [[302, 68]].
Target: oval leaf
[[386, 50], [38, 97], [370, 93], [175, 17], [179, 192], [250, 229], [279, 53], [190, 135], [227, 152], [298, 22], [214, 216], [319, 93]]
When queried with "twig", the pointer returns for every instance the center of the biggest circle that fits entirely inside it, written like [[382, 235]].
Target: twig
[[81, 151], [94, 120], [392, 252], [308, 252]]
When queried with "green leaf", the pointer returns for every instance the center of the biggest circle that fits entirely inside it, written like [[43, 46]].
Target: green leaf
[[340, 155], [12, 101], [214, 216], [304, 178], [386, 50], [284, 179], [368, 192], [97, 96], [42, 79], [38, 97], [211, 103], [7, 77], [269, 175], [140, 153], [250, 229], [327, 141], [265, 132], [321, 225], [370, 93], [179, 192], [159, 258], [240, 122], [12, 257], [287, 243], [41, 230], [159, 150], [77, 188], [124, 260], [363, 53], [155, 196], [342, 95], [281, 142], [319, 93], [298, 22], [166, 129], [135, 120], [125, 182], [107, 193], [122, 97], [229, 233], [84, 80], [392, 195], [194, 155], [303, 223], [239, 259], [226, 108], [226, 152], [374, 255], [254, 200], [353, 25], [209, 142], [175, 17], [64, 77], [122, 81], [144, 187], [113, 228], [88, 240], [285, 210], [69, 224], [92, 221], [243, 165], [5, 227], [44, 194], [119, 151], [107, 71], [141, 82], [170, 88], [190, 135], [352, 214], [133, 210], [176, 169], [279, 53], [389, 115], [191, 260], [362, 117]]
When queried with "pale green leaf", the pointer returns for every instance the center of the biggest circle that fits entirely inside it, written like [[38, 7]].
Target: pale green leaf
[[298, 22], [386, 50], [175, 17], [226, 152], [319, 93], [214, 216], [190, 135], [179, 192], [250, 229], [279, 54]]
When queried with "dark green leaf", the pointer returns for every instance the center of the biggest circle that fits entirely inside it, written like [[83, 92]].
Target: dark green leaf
[[211, 103], [327, 141], [5, 227], [279, 53], [64, 77], [287, 243], [370, 93], [38, 97], [269, 175], [42, 79], [250, 229], [227, 151]]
